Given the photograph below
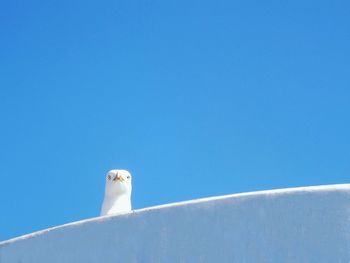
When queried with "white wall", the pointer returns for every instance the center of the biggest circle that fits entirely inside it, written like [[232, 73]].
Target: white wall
[[310, 224]]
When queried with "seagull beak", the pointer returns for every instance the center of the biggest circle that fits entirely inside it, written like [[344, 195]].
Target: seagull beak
[[118, 178]]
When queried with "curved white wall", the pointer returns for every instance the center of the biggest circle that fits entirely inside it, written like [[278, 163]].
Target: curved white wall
[[310, 224]]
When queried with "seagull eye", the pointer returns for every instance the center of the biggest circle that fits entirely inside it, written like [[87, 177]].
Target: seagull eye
[[109, 177], [128, 177]]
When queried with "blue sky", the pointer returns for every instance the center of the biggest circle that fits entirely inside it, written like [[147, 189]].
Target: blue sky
[[195, 98]]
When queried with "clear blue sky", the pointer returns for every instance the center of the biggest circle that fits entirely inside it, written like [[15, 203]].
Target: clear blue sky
[[195, 98]]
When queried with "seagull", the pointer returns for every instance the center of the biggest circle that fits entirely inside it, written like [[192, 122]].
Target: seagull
[[117, 193]]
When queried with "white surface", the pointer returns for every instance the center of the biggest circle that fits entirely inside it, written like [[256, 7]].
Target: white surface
[[118, 190], [310, 224]]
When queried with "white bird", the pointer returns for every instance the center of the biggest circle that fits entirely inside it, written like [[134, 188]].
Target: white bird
[[117, 193]]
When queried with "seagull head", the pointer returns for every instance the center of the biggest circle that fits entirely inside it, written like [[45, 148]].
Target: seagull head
[[118, 182]]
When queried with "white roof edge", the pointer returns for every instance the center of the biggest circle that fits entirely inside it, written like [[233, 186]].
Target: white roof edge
[[319, 188]]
